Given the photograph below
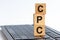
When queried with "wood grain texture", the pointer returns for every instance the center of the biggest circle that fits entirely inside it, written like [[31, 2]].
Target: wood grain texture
[[40, 32], [40, 8], [37, 19]]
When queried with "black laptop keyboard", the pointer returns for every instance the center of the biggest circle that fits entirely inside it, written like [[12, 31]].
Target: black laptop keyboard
[[20, 32]]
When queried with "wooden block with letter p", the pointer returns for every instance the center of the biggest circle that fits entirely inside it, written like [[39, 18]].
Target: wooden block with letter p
[[39, 19], [39, 30], [40, 8]]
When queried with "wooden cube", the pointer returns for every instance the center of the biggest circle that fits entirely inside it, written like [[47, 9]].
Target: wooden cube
[[40, 8], [39, 30], [39, 19]]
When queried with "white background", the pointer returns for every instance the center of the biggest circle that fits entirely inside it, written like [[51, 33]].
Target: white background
[[17, 12]]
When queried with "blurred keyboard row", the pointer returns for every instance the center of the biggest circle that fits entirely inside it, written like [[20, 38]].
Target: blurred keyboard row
[[25, 32]]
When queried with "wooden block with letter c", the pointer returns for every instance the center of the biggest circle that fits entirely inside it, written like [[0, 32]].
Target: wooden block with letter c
[[40, 8], [39, 19], [39, 30]]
